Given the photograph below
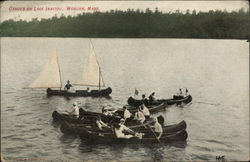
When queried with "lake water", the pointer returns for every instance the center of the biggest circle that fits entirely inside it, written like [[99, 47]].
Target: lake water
[[216, 72]]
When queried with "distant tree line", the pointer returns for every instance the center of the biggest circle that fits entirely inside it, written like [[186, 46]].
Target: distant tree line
[[135, 24]]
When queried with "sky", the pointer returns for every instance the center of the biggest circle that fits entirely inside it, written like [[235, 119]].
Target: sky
[[45, 9]]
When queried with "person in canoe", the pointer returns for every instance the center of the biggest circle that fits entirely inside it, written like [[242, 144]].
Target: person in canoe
[[139, 116], [100, 124], [152, 98], [68, 87], [156, 127], [74, 110], [107, 111], [145, 111], [121, 131], [145, 100], [126, 113], [180, 93], [186, 94]]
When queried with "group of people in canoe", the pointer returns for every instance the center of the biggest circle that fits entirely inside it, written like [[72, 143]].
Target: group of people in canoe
[[141, 116]]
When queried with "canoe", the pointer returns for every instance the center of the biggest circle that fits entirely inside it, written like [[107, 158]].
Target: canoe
[[179, 100], [152, 109], [85, 117], [70, 128], [175, 100], [88, 117], [80, 93], [96, 137]]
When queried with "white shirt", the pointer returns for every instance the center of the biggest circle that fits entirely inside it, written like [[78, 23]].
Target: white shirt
[[145, 111], [158, 128], [119, 132], [127, 114], [75, 111], [139, 116]]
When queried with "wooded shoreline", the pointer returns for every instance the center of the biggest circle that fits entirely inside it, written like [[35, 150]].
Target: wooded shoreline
[[135, 24]]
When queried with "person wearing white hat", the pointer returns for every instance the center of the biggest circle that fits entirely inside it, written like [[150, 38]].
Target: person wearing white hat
[[121, 128], [75, 110], [157, 128]]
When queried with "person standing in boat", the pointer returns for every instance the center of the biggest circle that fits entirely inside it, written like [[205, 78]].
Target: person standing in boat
[[157, 128], [139, 116], [145, 111], [68, 86], [145, 100], [74, 110]]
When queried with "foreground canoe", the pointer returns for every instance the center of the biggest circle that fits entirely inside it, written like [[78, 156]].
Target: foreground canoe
[[80, 93], [175, 100], [94, 137], [70, 128]]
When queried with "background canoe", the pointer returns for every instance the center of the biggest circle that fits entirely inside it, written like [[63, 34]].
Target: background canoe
[[81, 93]]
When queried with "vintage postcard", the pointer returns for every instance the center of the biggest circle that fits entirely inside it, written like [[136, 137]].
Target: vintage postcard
[[124, 80]]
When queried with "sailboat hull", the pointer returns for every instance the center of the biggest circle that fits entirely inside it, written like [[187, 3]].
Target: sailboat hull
[[80, 93]]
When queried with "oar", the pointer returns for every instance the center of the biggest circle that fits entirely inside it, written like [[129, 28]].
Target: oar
[[154, 134]]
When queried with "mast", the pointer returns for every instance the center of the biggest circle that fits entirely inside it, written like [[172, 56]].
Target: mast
[[98, 66], [99, 78], [59, 69]]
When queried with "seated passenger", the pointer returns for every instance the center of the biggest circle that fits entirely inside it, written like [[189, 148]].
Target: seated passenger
[[139, 116], [74, 110], [121, 129], [152, 98], [157, 128], [100, 124], [145, 100], [186, 94], [126, 113], [107, 112], [145, 111], [180, 92]]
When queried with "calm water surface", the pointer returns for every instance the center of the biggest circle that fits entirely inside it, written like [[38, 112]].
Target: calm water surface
[[215, 72]]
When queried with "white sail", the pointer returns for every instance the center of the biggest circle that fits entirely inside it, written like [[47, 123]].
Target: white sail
[[91, 75], [50, 76]]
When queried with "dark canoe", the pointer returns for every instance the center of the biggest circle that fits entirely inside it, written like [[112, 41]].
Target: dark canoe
[[80, 93], [109, 138], [152, 109], [70, 128], [87, 117], [175, 100]]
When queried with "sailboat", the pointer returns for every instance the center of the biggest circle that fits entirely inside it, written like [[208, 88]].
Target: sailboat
[[50, 78]]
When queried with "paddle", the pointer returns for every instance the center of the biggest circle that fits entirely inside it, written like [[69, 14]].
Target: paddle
[[153, 133]]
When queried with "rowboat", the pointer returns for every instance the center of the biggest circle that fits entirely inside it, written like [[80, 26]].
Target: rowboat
[[175, 100], [77, 128], [109, 138], [91, 76]]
